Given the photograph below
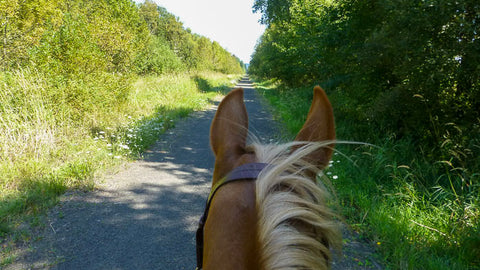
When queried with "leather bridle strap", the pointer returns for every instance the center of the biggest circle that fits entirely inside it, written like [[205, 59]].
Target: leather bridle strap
[[249, 171]]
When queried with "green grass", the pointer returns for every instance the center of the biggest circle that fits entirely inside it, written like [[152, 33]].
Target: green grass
[[421, 214], [53, 140]]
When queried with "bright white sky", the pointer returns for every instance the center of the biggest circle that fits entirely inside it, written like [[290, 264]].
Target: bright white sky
[[229, 22]]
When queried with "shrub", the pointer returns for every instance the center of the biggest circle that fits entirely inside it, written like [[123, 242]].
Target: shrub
[[158, 58]]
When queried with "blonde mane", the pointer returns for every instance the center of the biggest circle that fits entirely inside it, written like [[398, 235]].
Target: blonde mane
[[296, 227]]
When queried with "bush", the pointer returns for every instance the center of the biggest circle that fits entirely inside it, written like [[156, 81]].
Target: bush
[[158, 58]]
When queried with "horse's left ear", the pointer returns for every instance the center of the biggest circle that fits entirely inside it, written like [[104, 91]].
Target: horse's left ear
[[319, 126], [228, 133]]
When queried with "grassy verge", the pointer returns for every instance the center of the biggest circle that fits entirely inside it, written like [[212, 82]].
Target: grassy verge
[[387, 195], [48, 148]]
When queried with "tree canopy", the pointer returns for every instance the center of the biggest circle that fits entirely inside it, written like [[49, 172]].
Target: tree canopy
[[406, 68], [112, 36]]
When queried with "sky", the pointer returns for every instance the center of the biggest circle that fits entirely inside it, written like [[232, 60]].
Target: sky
[[231, 23]]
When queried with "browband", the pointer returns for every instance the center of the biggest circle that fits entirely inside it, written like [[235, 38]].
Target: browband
[[249, 171]]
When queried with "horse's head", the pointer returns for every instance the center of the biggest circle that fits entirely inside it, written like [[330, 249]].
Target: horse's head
[[232, 230]]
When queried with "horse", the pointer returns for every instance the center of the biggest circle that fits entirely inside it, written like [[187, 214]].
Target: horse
[[267, 208]]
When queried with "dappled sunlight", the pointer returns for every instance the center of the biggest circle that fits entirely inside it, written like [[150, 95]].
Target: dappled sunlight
[[147, 218]]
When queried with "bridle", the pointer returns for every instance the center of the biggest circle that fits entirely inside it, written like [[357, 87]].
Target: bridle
[[249, 171]]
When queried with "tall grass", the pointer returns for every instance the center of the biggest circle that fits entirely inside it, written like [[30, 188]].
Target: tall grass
[[420, 213], [59, 134]]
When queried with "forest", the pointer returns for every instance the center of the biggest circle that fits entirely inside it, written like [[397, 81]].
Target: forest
[[87, 84], [403, 76]]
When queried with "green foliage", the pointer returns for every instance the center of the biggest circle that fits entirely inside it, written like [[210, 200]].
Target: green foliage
[[404, 75], [158, 58], [73, 37], [196, 52], [72, 102], [384, 196], [408, 68], [272, 10], [22, 26]]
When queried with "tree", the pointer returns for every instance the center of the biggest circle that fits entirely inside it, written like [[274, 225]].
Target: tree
[[406, 67], [150, 13], [22, 24]]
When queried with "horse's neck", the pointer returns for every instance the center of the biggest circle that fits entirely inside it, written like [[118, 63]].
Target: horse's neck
[[231, 229]]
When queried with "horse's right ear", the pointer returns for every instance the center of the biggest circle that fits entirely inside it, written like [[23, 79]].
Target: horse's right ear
[[319, 127], [228, 133]]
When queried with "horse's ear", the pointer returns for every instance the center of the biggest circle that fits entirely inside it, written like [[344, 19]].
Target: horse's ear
[[228, 133], [319, 126]]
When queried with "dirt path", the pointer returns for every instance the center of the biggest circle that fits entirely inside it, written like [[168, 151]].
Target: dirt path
[[145, 216]]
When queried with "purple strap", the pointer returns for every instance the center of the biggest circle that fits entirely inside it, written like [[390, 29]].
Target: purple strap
[[249, 171], [246, 171]]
